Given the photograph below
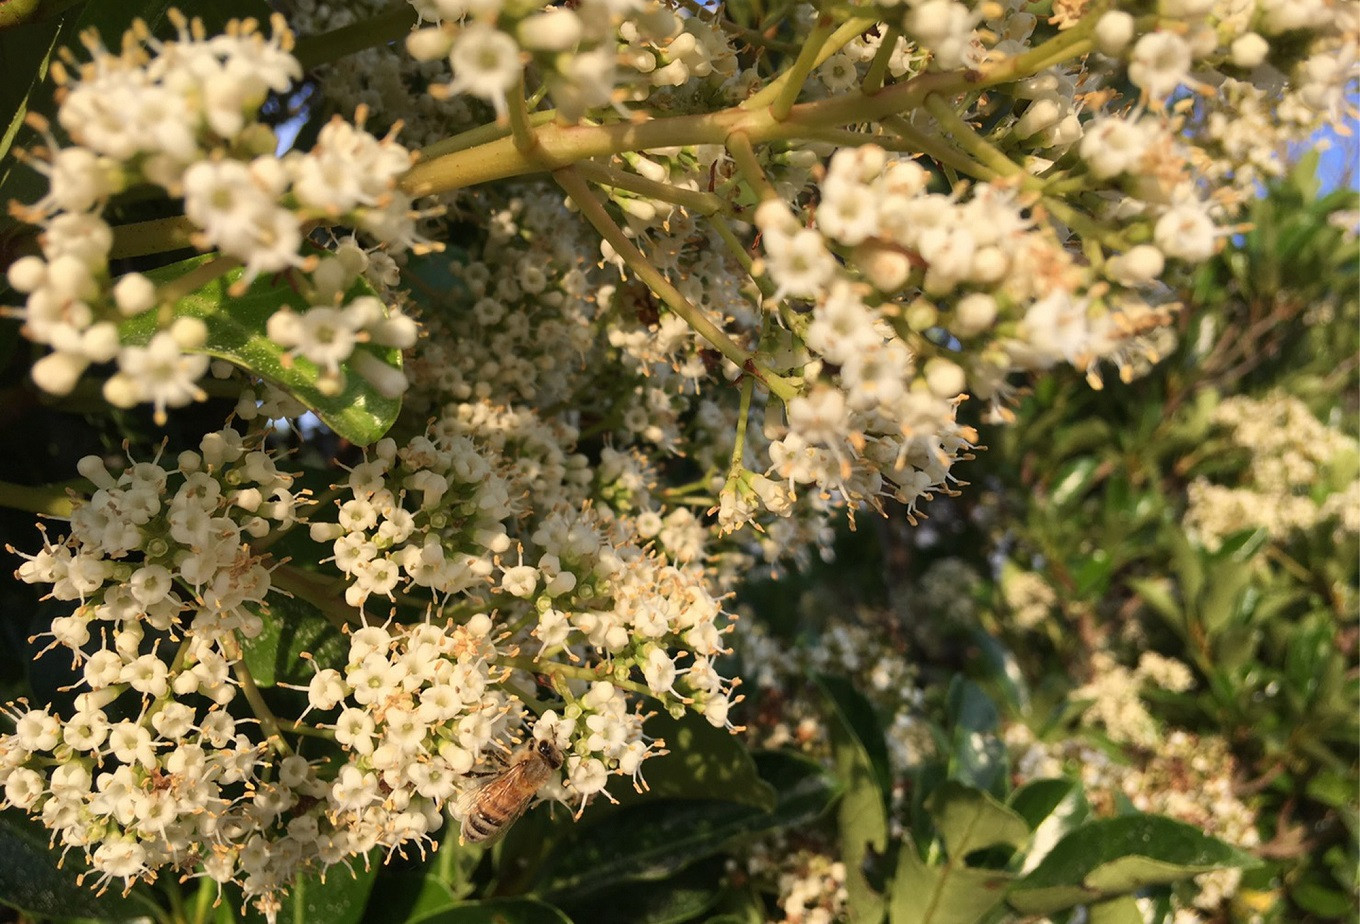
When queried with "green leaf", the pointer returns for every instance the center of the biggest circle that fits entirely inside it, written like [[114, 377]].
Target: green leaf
[[679, 898], [1051, 808], [969, 819], [950, 894], [31, 881], [1114, 856], [1074, 480], [408, 897], [1122, 910], [862, 817], [1003, 669], [498, 911], [859, 718], [1037, 800], [1220, 603], [977, 755], [703, 763], [1158, 594], [236, 333], [652, 838], [339, 899], [291, 627]]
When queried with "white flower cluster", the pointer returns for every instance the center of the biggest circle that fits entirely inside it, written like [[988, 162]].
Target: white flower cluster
[[1113, 697], [166, 590], [181, 115], [150, 770], [166, 549], [597, 53], [1290, 484], [1030, 598], [808, 881], [437, 514]]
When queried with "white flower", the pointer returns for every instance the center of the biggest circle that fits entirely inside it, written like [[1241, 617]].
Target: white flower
[[1113, 145], [1159, 64], [485, 63], [1186, 232], [160, 373], [1114, 31]]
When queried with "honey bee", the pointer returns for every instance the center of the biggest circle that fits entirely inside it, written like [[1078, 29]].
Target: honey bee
[[490, 808]]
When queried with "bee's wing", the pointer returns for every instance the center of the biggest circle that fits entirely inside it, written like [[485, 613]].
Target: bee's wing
[[509, 790]]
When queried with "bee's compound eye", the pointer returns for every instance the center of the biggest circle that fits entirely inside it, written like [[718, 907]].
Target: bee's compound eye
[[550, 754]]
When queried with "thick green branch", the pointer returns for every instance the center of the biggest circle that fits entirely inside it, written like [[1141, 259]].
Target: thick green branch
[[564, 145]]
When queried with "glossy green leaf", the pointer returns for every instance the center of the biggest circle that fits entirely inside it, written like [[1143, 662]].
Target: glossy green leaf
[[682, 897], [1051, 808], [969, 819], [236, 333], [498, 911], [862, 817], [293, 627], [1114, 856], [31, 881], [653, 838], [408, 897], [339, 898], [858, 716], [977, 755], [1038, 799], [703, 763], [1122, 910], [1074, 480], [948, 894]]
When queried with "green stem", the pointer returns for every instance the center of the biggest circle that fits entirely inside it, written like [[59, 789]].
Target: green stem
[[482, 134], [794, 78], [203, 901], [1083, 224], [47, 500], [311, 731], [743, 415], [1069, 44], [561, 145], [968, 138], [198, 277], [878, 68], [937, 149], [327, 595], [520, 127], [702, 203], [575, 672], [269, 723], [738, 250], [748, 165], [766, 97], [388, 26], [594, 211], [315, 504], [141, 238]]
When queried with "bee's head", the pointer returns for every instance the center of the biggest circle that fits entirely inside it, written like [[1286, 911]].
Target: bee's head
[[550, 754]]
